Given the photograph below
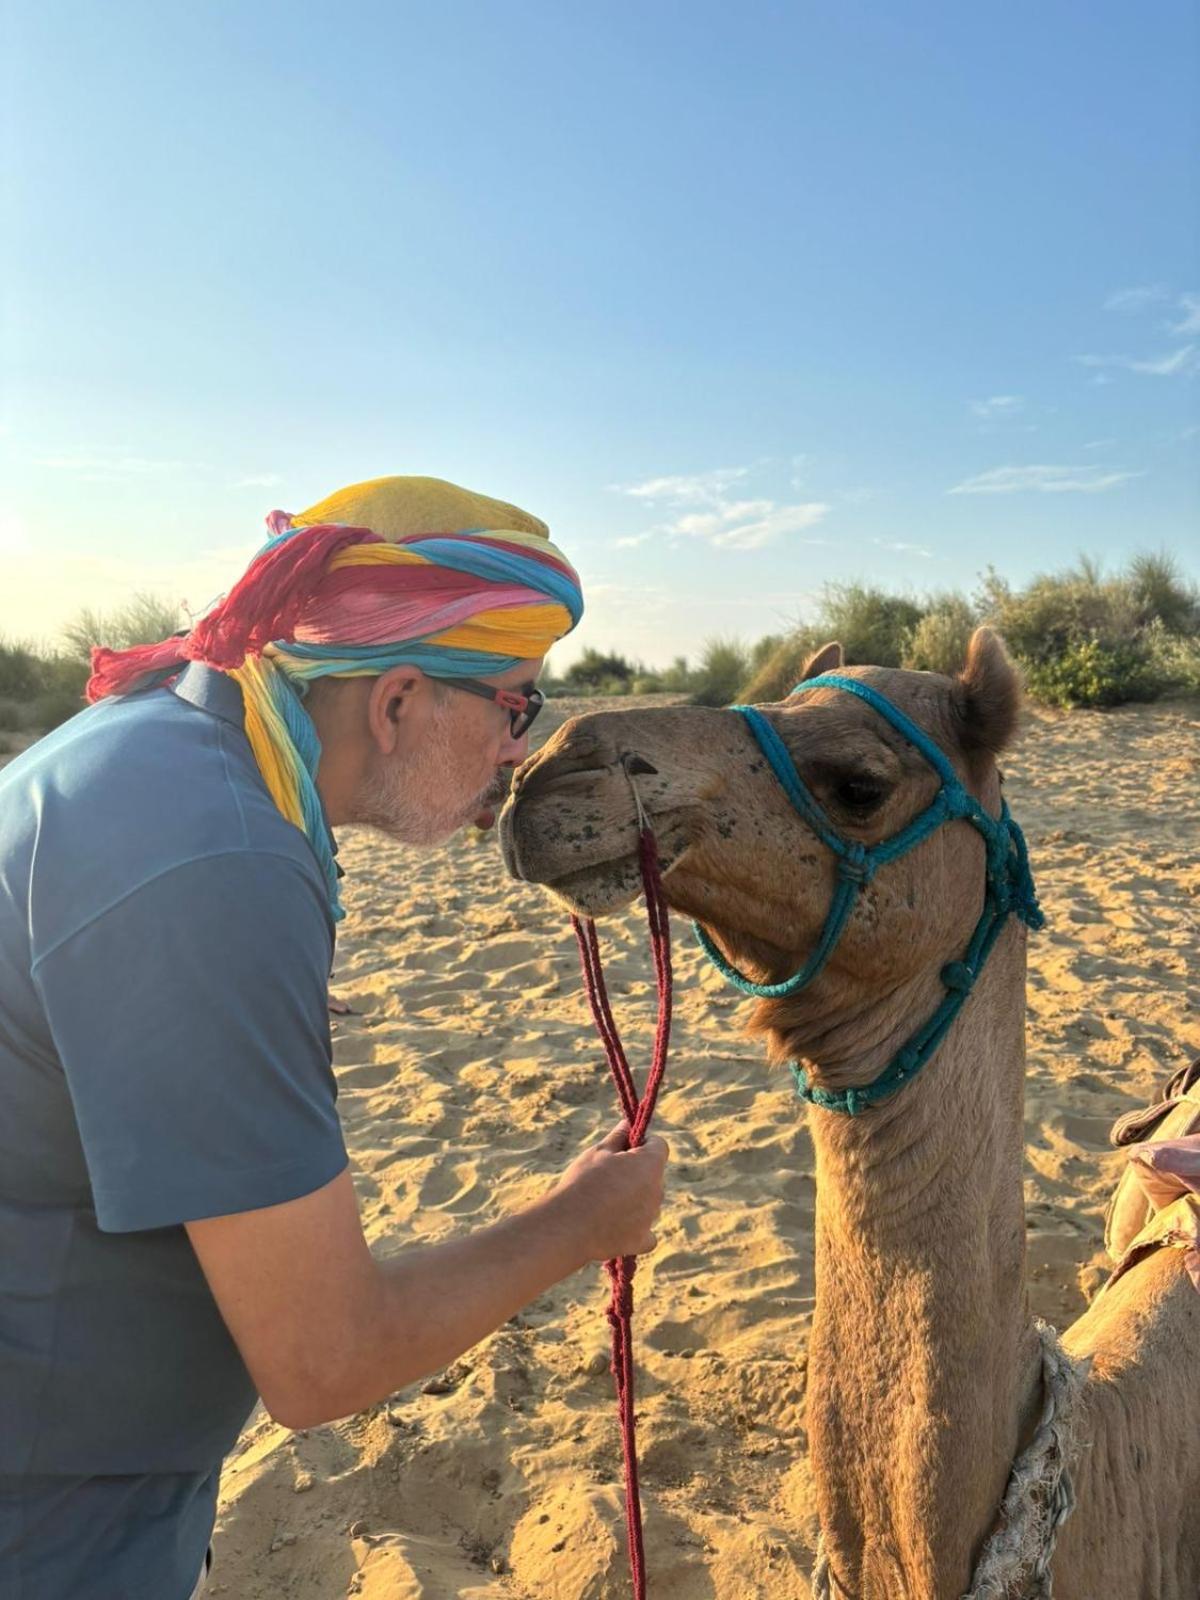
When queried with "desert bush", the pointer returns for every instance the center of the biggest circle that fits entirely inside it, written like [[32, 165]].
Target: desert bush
[[873, 626], [48, 710], [21, 670], [1092, 673], [1090, 640], [145, 619], [721, 671], [1162, 594], [596, 672], [677, 679], [1175, 658], [780, 673], [938, 643]]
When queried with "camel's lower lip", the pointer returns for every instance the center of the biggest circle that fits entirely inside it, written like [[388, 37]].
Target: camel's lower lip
[[617, 870], [604, 887]]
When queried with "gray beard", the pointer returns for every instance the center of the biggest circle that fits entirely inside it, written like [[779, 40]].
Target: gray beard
[[404, 800]]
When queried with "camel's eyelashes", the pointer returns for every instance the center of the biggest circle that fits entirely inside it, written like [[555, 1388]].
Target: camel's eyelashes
[[860, 795]]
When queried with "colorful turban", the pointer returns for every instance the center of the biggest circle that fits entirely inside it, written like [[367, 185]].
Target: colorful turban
[[397, 571]]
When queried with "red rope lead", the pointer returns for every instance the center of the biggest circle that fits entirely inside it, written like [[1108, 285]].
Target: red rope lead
[[638, 1112]]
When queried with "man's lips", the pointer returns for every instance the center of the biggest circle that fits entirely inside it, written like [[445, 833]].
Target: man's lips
[[493, 798]]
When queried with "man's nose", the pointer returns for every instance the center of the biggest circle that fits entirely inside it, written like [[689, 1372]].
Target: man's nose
[[513, 751]]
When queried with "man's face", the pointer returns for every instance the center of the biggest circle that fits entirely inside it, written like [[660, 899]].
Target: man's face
[[454, 766]]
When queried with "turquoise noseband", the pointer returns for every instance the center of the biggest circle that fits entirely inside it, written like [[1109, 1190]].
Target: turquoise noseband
[[1009, 890]]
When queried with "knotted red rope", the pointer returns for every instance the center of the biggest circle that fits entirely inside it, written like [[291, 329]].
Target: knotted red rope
[[638, 1112]]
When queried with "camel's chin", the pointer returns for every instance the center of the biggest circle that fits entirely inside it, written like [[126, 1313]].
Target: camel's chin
[[598, 891]]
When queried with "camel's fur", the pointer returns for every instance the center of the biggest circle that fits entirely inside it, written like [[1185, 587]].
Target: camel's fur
[[923, 1373]]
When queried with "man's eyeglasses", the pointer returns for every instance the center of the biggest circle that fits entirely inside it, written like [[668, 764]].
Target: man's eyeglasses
[[521, 708]]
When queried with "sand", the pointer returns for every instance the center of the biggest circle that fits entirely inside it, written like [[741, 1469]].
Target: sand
[[471, 1075]]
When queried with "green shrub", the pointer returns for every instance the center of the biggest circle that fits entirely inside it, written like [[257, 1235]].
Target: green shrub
[[10, 717], [146, 619], [939, 641], [1088, 639], [1058, 611], [1091, 673], [780, 673], [677, 679], [596, 672], [1175, 658], [20, 670], [1162, 594], [722, 669], [873, 626], [49, 710]]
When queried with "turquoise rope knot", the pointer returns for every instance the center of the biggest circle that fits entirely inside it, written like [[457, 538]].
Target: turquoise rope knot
[[906, 1061], [856, 866], [957, 976]]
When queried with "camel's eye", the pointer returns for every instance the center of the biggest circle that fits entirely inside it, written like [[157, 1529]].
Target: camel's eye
[[860, 795]]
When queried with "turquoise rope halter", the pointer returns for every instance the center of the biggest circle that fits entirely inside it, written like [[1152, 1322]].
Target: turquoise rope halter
[[1010, 889]]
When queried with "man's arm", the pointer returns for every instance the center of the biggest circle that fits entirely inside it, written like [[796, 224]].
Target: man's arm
[[326, 1330]]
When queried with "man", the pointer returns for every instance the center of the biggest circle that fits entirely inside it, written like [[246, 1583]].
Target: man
[[178, 1228]]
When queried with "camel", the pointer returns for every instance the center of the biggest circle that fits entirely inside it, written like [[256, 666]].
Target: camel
[[925, 1364]]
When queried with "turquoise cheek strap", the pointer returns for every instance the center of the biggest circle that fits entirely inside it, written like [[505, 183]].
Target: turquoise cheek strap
[[1009, 889]]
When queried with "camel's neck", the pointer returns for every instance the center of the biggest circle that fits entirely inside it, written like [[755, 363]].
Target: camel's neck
[[923, 1365]]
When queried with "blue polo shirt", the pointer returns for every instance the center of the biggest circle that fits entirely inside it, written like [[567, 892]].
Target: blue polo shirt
[[165, 948]]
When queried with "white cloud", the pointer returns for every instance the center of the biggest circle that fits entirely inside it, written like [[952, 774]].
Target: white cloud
[[698, 488], [1099, 444], [260, 480], [751, 524], [902, 547], [1136, 299], [999, 405], [1189, 304], [1044, 480], [1182, 361], [706, 511]]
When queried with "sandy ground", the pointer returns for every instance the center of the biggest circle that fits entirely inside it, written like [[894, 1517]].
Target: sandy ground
[[471, 1075]]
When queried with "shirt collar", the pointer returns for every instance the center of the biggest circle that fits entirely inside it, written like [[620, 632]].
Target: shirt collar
[[213, 691]]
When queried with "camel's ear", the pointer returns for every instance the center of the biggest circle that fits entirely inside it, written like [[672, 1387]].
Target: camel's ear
[[829, 658], [987, 695]]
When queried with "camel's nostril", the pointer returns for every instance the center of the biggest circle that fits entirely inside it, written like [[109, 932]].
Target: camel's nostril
[[636, 765]]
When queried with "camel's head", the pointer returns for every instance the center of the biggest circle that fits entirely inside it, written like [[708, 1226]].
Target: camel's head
[[737, 857]]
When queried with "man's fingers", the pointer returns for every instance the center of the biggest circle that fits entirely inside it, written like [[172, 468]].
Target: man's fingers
[[618, 1139], [660, 1147]]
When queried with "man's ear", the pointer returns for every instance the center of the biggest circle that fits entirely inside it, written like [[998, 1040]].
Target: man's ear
[[987, 696], [829, 658], [392, 697]]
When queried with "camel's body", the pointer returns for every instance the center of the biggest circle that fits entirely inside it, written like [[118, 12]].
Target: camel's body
[[924, 1371]]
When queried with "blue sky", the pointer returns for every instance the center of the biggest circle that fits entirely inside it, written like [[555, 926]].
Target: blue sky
[[738, 298]]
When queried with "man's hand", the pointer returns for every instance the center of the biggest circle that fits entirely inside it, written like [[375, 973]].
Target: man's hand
[[326, 1330], [619, 1192]]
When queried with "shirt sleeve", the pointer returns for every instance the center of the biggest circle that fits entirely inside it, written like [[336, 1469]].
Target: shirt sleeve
[[191, 1020]]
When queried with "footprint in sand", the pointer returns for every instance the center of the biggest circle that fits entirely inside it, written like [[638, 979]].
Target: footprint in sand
[[453, 1186]]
